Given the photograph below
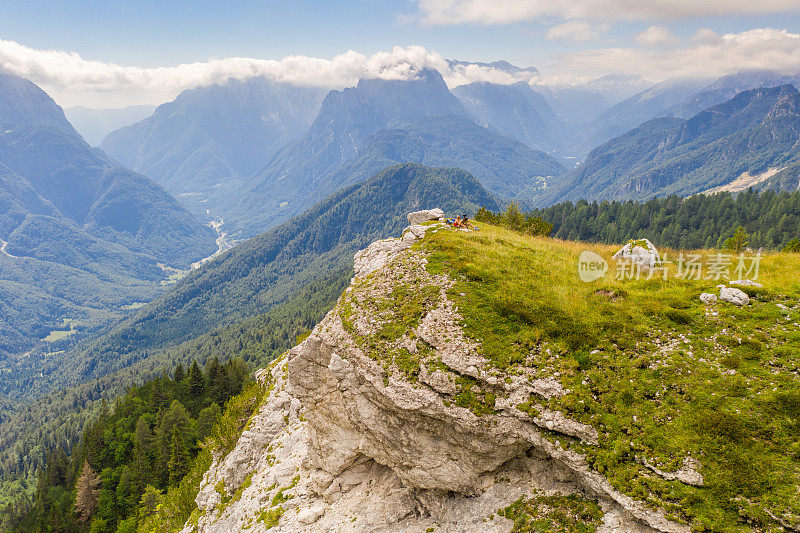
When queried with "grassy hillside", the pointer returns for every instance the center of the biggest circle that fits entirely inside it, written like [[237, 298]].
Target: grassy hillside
[[661, 376]]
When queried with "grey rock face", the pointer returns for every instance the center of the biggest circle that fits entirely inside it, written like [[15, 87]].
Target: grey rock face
[[745, 283], [641, 252]]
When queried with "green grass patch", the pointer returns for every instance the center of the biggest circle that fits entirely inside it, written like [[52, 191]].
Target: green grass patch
[[557, 513], [649, 366]]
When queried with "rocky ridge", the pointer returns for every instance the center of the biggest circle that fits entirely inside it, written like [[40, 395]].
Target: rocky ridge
[[388, 418]]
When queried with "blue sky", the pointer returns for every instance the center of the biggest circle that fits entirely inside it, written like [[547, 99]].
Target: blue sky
[[560, 38], [159, 32]]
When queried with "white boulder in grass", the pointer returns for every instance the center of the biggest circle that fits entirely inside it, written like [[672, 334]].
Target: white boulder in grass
[[708, 298], [734, 296], [418, 217], [640, 251], [745, 283]]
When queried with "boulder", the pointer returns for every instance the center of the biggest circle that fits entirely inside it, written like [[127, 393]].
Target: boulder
[[418, 217], [708, 298], [734, 296], [640, 251], [745, 283]]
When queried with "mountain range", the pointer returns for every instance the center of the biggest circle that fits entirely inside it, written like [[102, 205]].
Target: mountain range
[[202, 145], [378, 123], [303, 178], [81, 237], [750, 140], [258, 152]]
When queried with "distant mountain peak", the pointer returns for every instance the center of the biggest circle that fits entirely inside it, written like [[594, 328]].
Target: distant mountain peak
[[24, 103], [375, 103]]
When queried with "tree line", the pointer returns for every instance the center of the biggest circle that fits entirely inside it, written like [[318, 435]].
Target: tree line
[[132, 453], [771, 220]]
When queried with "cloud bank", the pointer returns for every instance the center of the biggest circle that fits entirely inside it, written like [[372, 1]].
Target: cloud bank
[[656, 36], [70, 78], [488, 12]]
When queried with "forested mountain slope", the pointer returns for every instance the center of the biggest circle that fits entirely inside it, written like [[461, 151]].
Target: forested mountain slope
[[770, 219], [265, 270], [749, 140], [80, 236]]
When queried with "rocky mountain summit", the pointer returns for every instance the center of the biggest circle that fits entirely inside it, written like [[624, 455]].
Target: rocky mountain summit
[[389, 418]]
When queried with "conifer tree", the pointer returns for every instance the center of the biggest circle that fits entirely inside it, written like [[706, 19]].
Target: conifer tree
[[87, 490], [179, 373], [179, 456]]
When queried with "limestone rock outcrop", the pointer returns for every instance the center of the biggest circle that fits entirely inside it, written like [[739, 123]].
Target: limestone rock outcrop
[[362, 428], [418, 217]]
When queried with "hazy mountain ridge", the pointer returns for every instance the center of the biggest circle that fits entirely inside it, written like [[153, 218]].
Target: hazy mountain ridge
[[204, 143], [378, 123], [515, 110], [23, 103], [755, 130]]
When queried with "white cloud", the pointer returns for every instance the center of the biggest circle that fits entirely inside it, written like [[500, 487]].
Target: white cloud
[[72, 80], [446, 12], [656, 36], [706, 56], [578, 31]]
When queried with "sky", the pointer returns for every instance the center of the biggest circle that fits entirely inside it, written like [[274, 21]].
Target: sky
[[115, 53]]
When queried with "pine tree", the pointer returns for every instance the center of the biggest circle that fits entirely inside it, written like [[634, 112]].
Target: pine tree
[[179, 373], [179, 456], [738, 242], [143, 450], [196, 385], [87, 491], [149, 502]]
